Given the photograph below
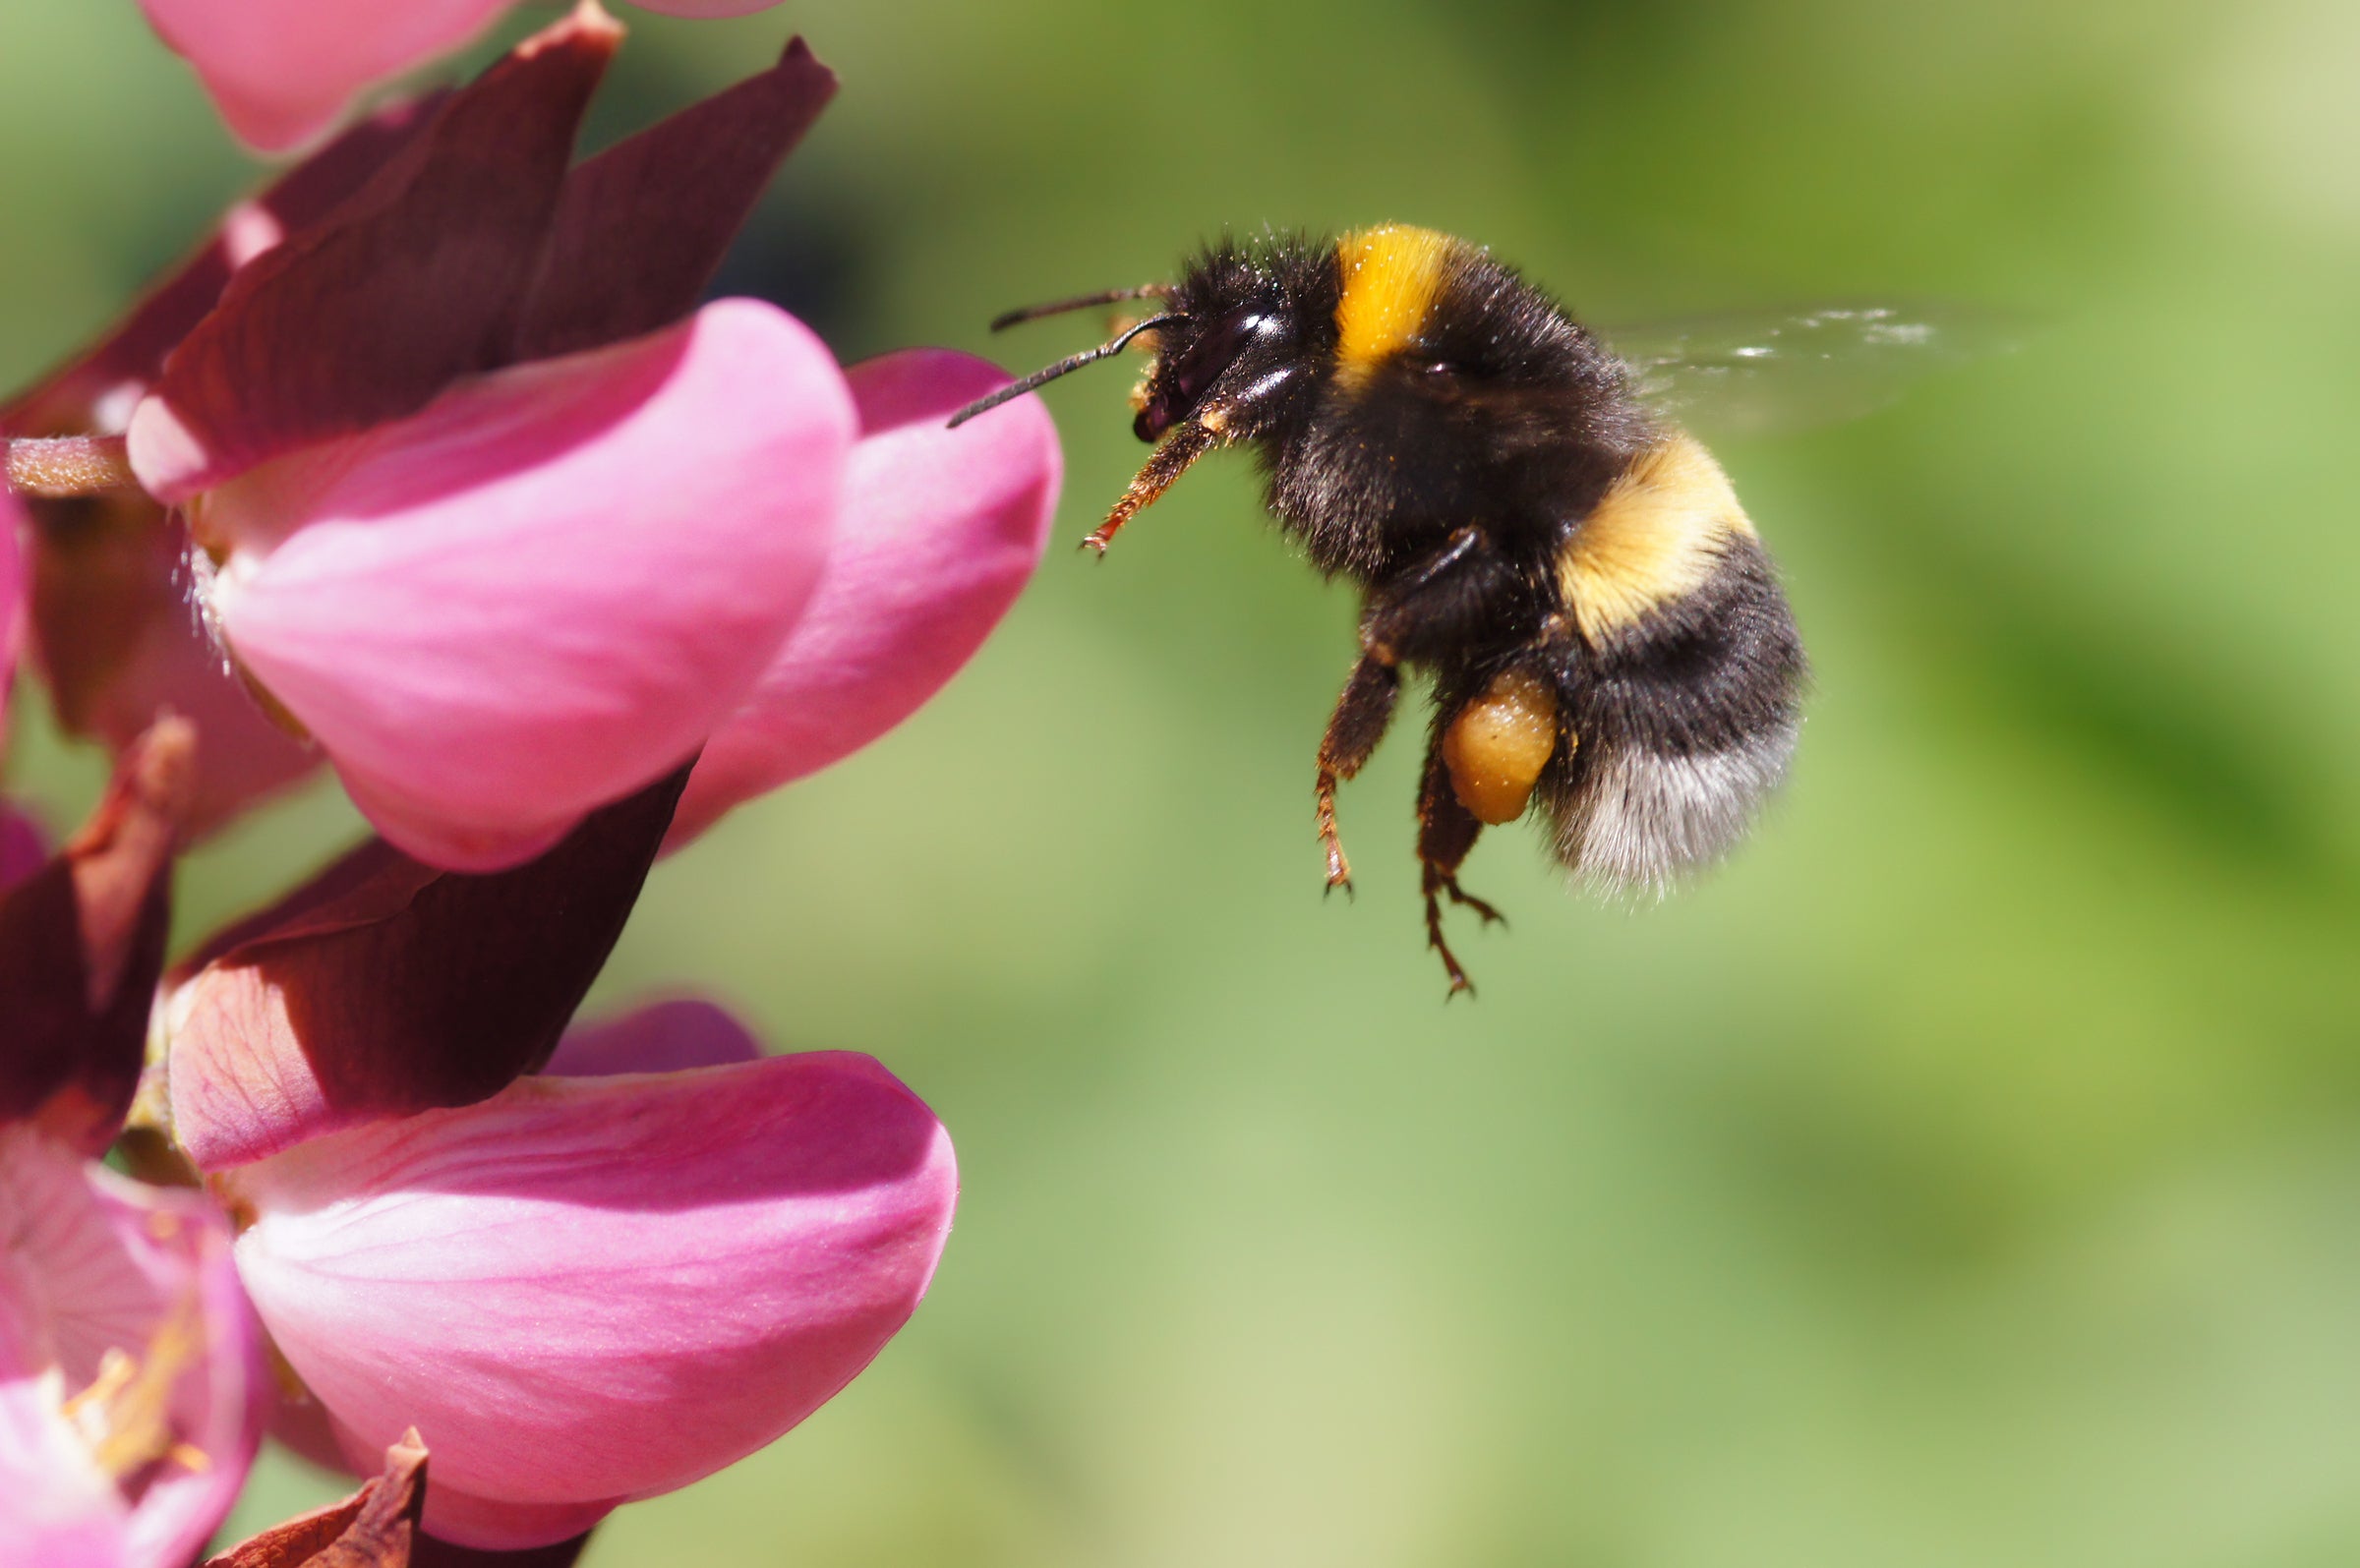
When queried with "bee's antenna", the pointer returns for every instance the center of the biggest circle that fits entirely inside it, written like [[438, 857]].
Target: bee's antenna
[[1073, 362], [1081, 302]]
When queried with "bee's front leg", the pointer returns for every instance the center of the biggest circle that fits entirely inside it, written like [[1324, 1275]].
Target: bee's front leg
[[1359, 721]]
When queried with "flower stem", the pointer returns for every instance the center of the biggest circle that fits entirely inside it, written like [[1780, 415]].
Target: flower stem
[[69, 465]]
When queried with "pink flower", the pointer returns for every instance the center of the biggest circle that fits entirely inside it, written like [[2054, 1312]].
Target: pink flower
[[132, 1385], [585, 1291], [491, 515], [505, 536], [282, 71]]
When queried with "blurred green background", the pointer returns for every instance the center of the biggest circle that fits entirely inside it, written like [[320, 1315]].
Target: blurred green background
[[1968, 1174]]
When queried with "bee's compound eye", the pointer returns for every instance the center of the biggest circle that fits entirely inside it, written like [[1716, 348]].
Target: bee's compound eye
[[1498, 745]]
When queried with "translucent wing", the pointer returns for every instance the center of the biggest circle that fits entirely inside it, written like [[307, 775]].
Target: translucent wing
[[1774, 372]]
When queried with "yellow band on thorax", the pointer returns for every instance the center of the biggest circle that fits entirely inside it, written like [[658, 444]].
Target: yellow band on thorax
[[1391, 274]]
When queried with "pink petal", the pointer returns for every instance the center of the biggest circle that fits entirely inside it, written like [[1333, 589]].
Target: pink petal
[[940, 530], [116, 1266], [587, 1290], [56, 1505], [549, 587], [666, 1037], [282, 71]]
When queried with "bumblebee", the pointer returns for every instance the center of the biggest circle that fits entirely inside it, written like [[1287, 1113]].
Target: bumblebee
[[1604, 631]]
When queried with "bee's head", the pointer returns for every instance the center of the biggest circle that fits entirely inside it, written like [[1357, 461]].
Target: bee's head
[[1227, 366], [1231, 341], [1238, 352]]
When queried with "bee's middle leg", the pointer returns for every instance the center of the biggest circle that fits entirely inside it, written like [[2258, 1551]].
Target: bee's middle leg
[[1359, 721]]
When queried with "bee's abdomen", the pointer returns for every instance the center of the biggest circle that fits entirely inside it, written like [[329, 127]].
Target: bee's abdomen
[[1683, 689]]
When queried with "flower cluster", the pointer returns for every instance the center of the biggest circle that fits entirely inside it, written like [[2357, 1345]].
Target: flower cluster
[[431, 466]]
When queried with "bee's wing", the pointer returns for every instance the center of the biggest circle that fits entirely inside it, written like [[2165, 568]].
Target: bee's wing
[[1759, 372]]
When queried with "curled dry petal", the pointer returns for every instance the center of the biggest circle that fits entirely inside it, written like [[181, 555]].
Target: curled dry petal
[[82, 942], [550, 586], [377, 1526], [664, 1037], [132, 1382], [385, 987], [416, 280], [940, 529], [282, 71], [589, 1290]]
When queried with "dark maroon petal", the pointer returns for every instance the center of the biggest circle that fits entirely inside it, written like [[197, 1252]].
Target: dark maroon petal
[[375, 1527], [82, 942], [388, 988], [373, 881], [641, 228], [418, 281], [23, 848], [429, 1552], [132, 353]]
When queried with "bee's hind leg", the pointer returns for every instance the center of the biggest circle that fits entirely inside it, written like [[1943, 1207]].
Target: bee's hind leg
[[1446, 832], [1353, 730]]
